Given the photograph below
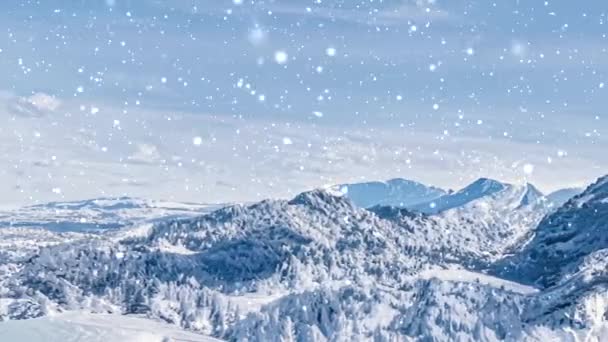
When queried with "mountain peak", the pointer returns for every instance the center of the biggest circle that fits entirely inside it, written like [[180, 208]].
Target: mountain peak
[[531, 195], [478, 189], [403, 181], [484, 186], [319, 198]]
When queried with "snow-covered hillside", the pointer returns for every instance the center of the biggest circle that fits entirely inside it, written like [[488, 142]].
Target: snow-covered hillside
[[320, 268], [82, 326], [488, 219]]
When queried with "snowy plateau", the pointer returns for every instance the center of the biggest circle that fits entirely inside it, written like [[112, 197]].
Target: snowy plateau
[[382, 261]]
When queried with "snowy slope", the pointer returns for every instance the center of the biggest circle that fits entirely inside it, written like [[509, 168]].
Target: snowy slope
[[395, 192], [458, 274], [468, 310], [82, 326], [580, 296]]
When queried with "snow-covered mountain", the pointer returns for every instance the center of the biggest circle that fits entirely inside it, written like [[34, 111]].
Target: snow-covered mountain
[[320, 268], [395, 192], [428, 199], [563, 239], [488, 219], [474, 226], [479, 189]]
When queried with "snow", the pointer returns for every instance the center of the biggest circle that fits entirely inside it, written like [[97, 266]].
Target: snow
[[463, 275], [528, 169], [253, 302], [281, 57], [86, 327]]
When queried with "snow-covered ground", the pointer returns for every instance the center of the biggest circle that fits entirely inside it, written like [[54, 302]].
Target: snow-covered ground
[[462, 275], [86, 327]]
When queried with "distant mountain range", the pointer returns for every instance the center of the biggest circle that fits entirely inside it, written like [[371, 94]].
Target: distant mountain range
[[493, 261], [99, 214], [432, 200], [560, 197]]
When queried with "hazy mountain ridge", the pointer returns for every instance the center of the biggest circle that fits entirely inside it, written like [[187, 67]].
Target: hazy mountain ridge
[[99, 214], [396, 192], [560, 197]]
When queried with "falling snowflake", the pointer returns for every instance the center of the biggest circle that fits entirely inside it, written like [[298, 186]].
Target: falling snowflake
[[281, 57]]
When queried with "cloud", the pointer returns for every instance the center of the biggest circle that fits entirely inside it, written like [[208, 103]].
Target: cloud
[[421, 10], [36, 105], [244, 160], [44, 102], [387, 13], [145, 153], [399, 14]]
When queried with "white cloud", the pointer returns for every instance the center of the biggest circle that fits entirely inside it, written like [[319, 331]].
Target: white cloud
[[44, 102], [145, 153], [388, 16], [253, 163], [35, 105]]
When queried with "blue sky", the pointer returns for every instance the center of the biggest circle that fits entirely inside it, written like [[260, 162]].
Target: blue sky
[[436, 91]]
